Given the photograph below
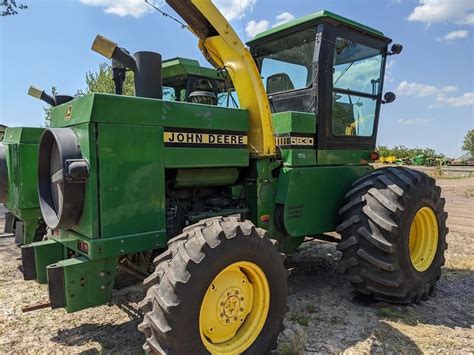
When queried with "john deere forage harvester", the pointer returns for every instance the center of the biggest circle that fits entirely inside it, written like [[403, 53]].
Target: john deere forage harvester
[[154, 186], [18, 184]]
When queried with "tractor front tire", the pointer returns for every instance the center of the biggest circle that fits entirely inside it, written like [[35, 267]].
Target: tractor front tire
[[221, 288], [393, 235]]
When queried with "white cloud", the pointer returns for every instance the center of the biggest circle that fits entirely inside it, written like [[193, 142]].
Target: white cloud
[[282, 18], [415, 89], [234, 9], [424, 90], [412, 121], [135, 8], [432, 11], [231, 9], [449, 88], [467, 99], [253, 27], [452, 36]]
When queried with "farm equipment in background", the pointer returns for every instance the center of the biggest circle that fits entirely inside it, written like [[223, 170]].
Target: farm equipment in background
[[292, 163], [18, 184], [388, 160]]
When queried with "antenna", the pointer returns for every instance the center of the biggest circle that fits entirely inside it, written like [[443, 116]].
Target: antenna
[[243, 21], [182, 24]]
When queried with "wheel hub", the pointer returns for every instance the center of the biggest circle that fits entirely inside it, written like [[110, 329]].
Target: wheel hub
[[423, 239], [234, 308]]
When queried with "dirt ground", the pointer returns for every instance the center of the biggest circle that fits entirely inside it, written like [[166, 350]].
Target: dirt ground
[[324, 317]]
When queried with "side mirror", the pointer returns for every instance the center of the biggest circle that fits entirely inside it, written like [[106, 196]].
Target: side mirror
[[396, 49], [389, 97]]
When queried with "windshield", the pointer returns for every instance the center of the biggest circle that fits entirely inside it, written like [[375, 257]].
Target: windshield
[[287, 63], [357, 72]]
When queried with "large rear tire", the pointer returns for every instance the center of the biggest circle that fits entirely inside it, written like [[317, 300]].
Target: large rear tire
[[393, 235], [221, 287]]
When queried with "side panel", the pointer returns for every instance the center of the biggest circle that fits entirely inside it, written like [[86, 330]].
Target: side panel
[[89, 223], [28, 179], [131, 173], [312, 196]]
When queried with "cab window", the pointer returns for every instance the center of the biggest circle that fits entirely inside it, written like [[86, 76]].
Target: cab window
[[356, 88], [287, 64]]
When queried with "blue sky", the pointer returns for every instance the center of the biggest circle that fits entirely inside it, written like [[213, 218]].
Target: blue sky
[[49, 44]]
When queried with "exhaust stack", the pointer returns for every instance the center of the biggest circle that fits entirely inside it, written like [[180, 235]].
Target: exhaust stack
[[145, 65]]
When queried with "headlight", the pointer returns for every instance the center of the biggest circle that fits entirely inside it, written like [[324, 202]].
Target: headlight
[[62, 174]]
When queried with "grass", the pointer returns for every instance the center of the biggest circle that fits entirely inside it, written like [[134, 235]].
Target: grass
[[394, 315], [300, 318], [293, 346]]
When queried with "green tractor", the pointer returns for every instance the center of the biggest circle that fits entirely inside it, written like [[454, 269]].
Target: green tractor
[[201, 201], [18, 184]]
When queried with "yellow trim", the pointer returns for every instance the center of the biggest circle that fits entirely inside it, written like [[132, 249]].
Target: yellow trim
[[234, 309], [227, 50], [423, 240]]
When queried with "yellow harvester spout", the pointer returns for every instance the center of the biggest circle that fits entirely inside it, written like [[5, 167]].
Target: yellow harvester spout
[[223, 48]]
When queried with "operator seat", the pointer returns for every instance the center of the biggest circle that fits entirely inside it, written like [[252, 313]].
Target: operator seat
[[278, 83]]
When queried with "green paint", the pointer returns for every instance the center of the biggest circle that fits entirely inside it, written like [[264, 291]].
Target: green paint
[[343, 157], [186, 178], [312, 196], [21, 151], [313, 19], [205, 157], [87, 283], [114, 246], [176, 67], [104, 108], [46, 253], [131, 179], [298, 122]]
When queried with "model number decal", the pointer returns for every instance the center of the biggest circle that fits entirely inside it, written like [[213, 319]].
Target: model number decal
[[294, 141]]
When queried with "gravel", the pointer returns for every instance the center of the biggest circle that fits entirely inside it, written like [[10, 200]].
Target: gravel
[[324, 317]]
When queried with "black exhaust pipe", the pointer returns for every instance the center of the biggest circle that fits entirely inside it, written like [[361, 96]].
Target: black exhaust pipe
[[148, 80], [145, 65]]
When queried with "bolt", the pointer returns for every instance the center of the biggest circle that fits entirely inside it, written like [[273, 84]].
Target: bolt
[[227, 321], [241, 309], [102, 287], [235, 318], [102, 274]]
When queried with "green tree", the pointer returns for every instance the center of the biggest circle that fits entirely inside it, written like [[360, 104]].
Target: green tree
[[10, 7], [101, 82], [468, 145], [48, 110]]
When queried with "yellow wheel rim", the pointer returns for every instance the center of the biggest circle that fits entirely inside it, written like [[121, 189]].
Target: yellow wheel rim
[[234, 309], [423, 240]]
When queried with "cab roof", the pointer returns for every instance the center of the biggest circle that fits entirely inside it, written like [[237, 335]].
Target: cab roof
[[316, 18], [182, 67]]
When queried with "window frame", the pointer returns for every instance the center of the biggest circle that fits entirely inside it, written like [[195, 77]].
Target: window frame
[[325, 89]]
